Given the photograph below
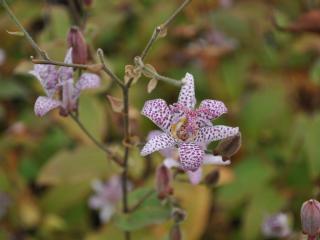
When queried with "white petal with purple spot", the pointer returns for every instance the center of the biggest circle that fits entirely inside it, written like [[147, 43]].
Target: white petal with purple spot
[[158, 111], [88, 80], [157, 143], [187, 95], [195, 177], [209, 134], [215, 160], [44, 104], [191, 156], [211, 109]]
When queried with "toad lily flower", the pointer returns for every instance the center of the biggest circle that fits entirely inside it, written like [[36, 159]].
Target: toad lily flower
[[106, 197], [185, 127], [171, 160], [54, 80]]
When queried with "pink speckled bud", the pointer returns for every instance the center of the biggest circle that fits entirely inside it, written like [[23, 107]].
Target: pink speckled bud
[[88, 3], [163, 182], [78, 44], [310, 218], [175, 232]]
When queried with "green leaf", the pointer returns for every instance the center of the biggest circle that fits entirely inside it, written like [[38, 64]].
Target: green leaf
[[60, 198], [152, 211], [312, 139], [266, 202], [93, 117], [10, 89], [80, 165], [315, 72], [251, 175]]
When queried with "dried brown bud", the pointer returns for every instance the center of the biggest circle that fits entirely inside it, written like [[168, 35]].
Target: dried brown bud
[[229, 146], [178, 215], [212, 178], [78, 44], [175, 233], [310, 217], [88, 3], [163, 182], [308, 22]]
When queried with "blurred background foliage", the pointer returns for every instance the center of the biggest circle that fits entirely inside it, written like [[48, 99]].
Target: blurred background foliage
[[268, 78]]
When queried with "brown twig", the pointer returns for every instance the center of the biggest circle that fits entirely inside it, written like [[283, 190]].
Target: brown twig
[[162, 27], [112, 156]]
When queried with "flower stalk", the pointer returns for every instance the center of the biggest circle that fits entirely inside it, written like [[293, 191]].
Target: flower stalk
[[44, 59]]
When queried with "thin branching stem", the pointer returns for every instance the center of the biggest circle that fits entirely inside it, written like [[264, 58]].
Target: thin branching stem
[[107, 70], [25, 32], [138, 62], [162, 27], [95, 141], [56, 63]]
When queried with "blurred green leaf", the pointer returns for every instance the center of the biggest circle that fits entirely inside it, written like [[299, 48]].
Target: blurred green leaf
[[312, 140], [251, 176], [10, 89], [60, 198], [261, 205], [93, 117], [76, 166], [315, 72], [152, 211]]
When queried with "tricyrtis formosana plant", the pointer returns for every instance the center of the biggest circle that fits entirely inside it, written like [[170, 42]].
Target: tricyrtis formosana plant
[[186, 130]]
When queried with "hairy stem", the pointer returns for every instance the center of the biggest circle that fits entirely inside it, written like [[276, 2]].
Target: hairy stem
[[162, 27], [126, 126], [56, 63], [138, 62], [25, 32], [108, 70], [96, 142]]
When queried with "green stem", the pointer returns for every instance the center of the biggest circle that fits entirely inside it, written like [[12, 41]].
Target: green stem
[[162, 27], [26, 34], [95, 141]]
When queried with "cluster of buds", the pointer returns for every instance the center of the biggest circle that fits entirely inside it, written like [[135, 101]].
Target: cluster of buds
[[310, 218], [87, 3]]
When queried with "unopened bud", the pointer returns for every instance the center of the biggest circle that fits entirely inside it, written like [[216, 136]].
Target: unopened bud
[[310, 218], [178, 215], [212, 178], [163, 182], [175, 233], [229, 146], [78, 44], [88, 3]]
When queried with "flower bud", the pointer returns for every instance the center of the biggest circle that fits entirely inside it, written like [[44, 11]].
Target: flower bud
[[310, 217], [175, 232], [229, 146], [163, 182], [178, 215], [87, 3], [78, 44], [212, 178]]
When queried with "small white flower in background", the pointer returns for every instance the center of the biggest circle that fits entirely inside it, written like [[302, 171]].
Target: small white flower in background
[[225, 3], [2, 56], [276, 226], [106, 197], [5, 203]]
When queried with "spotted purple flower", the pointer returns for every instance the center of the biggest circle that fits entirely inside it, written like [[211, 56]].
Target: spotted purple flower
[[276, 226], [106, 197], [54, 80], [185, 127], [172, 160]]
